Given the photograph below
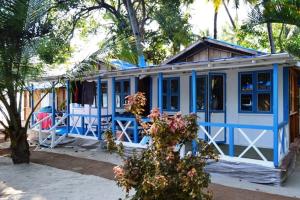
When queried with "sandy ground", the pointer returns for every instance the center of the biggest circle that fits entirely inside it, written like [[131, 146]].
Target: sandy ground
[[291, 188], [39, 182], [84, 172]]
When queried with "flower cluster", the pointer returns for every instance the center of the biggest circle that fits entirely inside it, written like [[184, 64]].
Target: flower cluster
[[159, 172]]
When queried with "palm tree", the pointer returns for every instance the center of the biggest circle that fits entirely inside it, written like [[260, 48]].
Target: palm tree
[[21, 28]]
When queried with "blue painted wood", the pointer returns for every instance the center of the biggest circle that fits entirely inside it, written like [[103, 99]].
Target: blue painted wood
[[142, 61], [160, 92], [169, 94], [82, 124], [231, 141], [32, 104], [53, 104], [194, 105], [286, 94], [122, 93], [113, 104], [275, 114], [99, 97], [255, 91], [136, 84], [135, 132], [68, 105], [246, 126]]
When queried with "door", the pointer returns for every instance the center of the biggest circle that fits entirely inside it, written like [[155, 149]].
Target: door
[[216, 110], [211, 93], [294, 104]]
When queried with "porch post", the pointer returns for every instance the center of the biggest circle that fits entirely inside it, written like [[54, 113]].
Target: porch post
[[136, 82], [99, 100], [194, 104], [68, 106], [113, 105], [32, 104], [160, 92], [53, 103], [275, 114]]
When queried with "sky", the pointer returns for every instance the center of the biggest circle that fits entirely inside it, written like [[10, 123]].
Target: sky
[[202, 16]]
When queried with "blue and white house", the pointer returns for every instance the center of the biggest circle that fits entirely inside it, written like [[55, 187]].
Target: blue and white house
[[246, 100]]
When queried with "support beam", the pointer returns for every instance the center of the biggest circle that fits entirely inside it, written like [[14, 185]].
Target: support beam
[[275, 115], [160, 92], [136, 84], [68, 105], [113, 104], [32, 104], [99, 100], [286, 94], [194, 104], [53, 103]]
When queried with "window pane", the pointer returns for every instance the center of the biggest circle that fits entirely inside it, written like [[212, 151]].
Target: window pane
[[165, 86], [118, 101], [217, 92], [246, 102], [174, 102], [104, 94], [104, 100], [264, 81], [201, 93], [264, 102], [164, 102], [118, 87], [126, 87], [174, 86], [246, 82]]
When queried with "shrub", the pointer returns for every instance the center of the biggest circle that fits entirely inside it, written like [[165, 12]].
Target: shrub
[[159, 172]]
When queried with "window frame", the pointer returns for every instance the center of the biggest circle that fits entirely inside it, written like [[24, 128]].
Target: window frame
[[122, 93], [205, 93], [255, 92], [169, 94]]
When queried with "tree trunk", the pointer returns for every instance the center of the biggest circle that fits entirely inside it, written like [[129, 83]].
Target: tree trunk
[[216, 25], [135, 27], [19, 146], [271, 39], [229, 15]]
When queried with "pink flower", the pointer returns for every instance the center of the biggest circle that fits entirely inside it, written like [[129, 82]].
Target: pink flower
[[155, 114], [118, 171], [153, 129], [192, 173], [176, 123]]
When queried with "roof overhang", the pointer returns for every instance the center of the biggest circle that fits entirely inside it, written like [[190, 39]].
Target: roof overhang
[[282, 59]]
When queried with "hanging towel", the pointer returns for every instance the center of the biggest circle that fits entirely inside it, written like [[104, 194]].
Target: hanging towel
[[46, 124], [88, 92], [76, 92]]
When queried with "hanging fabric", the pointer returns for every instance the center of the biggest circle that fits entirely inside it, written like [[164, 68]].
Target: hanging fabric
[[88, 92], [76, 92]]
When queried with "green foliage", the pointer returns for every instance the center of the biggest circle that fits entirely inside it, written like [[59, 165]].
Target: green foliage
[[159, 172], [53, 50]]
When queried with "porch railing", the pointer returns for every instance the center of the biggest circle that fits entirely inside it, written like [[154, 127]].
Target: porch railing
[[246, 131]]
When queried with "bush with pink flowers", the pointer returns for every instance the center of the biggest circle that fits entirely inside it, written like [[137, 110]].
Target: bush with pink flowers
[[159, 172]]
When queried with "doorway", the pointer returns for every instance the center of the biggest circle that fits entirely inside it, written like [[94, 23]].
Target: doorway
[[145, 86], [211, 101], [293, 104]]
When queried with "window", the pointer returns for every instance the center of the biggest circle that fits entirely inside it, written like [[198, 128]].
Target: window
[[171, 94], [104, 94], [201, 83], [122, 90], [255, 90]]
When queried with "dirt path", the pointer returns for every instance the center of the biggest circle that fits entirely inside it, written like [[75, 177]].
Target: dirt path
[[104, 169]]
